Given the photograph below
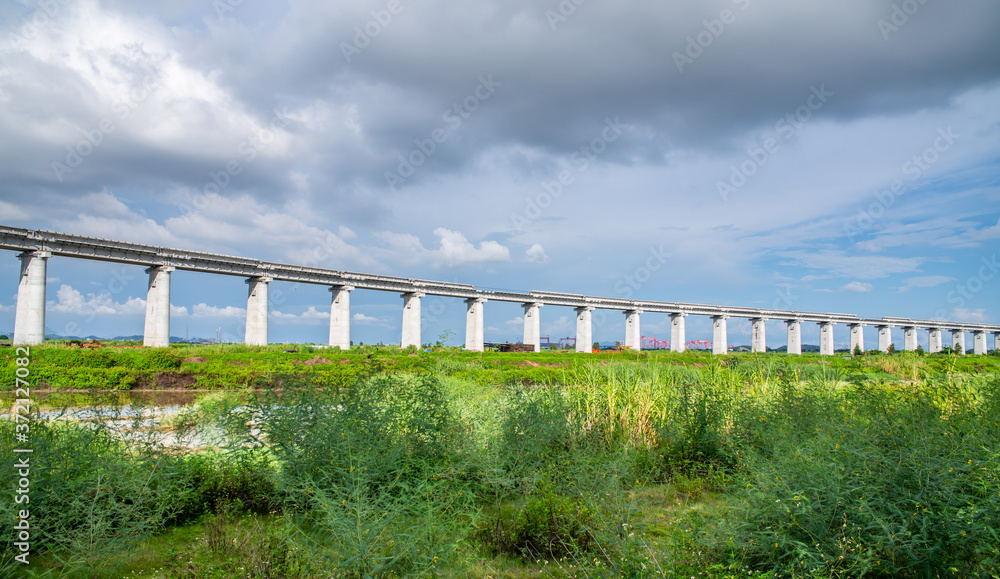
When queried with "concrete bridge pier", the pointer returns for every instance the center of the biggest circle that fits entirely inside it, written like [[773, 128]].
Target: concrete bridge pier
[[758, 335], [474, 336], [340, 316], [256, 333], [857, 337], [584, 330], [935, 344], [825, 338], [996, 341], [884, 338], [633, 335], [157, 330], [958, 341], [794, 337], [678, 340], [909, 339], [532, 325], [979, 343], [29, 317], [720, 337], [411, 319]]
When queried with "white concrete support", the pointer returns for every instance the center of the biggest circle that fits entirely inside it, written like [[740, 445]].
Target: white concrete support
[[720, 338], [909, 339], [340, 316], [157, 331], [678, 339], [825, 338], [935, 344], [474, 337], [532, 325], [979, 343], [256, 334], [857, 337], [884, 337], [996, 341], [584, 330], [794, 337], [633, 335], [411, 319], [29, 317], [758, 335], [958, 341]]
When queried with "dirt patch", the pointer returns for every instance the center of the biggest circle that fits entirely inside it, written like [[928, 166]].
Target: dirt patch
[[557, 365], [344, 361], [235, 363], [318, 360], [528, 364], [174, 381], [699, 365], [195, 360]]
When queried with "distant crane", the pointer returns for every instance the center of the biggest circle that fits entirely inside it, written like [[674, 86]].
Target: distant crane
[[654, 344], [566, 343], [544, 342]]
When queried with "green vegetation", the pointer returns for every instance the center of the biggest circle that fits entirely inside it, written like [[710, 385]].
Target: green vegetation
[[453, 464]]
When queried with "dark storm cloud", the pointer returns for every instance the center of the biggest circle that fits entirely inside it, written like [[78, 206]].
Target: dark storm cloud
[[564, 68]]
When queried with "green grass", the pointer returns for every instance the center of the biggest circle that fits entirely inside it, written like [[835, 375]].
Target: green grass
[[469, 465]]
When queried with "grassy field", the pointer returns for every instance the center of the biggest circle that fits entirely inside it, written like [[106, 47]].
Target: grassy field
[[380, 462]]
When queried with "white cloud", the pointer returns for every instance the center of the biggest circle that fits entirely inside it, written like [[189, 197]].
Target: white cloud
[[839, 264], [4, 308], [924, 281], [203, 310], [857, 287], [967, 315], [518, 321], [363, 319], [536, 254], [454, 249], [71, 301]]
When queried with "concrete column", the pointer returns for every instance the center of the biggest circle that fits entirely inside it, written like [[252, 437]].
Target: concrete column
[[794, 337], [720, 338], [474, 337], [958, 341], [633, 335], [758, 335], [996, 341], [157, 331], [678, 340], [29, 317], [909, 339], [340, 316], [979, 343], [857, 337], [256, 334], [884, 337], [411, 319], [826, 338], [935, 344], [584, 330], [532, 325]]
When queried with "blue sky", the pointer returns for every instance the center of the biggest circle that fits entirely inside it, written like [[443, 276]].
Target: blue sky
[[821, 157]]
